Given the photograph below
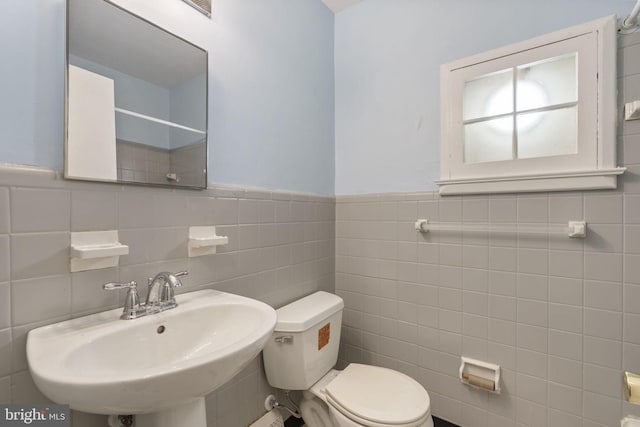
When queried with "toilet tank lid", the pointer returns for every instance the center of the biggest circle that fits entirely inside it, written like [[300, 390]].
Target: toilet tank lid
[[304, 313]]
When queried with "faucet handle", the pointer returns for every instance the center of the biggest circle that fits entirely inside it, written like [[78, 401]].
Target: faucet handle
[[180, 274], [119, 285], [132, 308], [167, 295]]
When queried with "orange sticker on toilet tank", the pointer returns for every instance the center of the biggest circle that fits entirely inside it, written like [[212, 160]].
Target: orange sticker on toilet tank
[[324, 334]]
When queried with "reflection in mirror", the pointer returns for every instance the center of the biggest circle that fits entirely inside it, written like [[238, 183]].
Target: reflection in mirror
[[136, 100]]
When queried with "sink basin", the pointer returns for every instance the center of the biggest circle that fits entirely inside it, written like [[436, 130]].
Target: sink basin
[[105, 365]]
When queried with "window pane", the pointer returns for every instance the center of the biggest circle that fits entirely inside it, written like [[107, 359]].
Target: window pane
[[547, 133], [488, 95], [550, 82], [488, 141]]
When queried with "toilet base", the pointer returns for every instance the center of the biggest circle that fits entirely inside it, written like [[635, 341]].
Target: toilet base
[[315, 412], [341, 420]]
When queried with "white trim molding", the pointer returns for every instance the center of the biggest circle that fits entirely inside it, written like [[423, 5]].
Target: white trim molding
[[592, 166], [571, 181]]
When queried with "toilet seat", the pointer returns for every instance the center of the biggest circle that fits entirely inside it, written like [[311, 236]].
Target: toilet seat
[[377, 397]]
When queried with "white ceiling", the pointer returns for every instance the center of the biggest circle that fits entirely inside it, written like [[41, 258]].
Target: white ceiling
[[338, 5]]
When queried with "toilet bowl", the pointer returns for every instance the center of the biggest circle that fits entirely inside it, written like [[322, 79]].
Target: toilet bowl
[[301, 355], [364, 395]]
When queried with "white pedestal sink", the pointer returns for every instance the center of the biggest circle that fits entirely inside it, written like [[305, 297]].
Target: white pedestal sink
[[160, 366]]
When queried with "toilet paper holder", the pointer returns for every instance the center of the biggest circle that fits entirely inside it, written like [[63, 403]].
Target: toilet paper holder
[[631, 386], [479, 374]]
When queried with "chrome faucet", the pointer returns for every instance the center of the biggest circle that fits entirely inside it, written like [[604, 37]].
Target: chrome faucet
[[161, 295]]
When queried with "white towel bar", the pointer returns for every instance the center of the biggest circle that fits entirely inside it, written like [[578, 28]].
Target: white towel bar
[[574, 229]]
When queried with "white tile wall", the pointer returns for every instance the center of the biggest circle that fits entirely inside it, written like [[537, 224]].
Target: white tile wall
[[561, 316], [551, 312], [281, 248]]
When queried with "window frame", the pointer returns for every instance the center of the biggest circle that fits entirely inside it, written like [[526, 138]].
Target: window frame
[[593, 167]]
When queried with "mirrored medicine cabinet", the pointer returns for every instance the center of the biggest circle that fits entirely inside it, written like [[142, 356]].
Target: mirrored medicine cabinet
[[136, 100]]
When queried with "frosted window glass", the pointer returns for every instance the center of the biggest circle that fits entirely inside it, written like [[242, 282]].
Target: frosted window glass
[[543, 85], [555, 133], [488, 95], [550, 82], [485, 142]]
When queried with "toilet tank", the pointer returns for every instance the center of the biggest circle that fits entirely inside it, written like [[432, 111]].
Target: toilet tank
[[305, 341]]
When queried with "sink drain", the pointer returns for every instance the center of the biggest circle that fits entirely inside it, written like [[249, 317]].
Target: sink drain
[[160, 329]]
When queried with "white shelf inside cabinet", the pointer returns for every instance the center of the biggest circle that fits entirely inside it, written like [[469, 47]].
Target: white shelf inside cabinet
[[157, 120], [92, 250], [203, 240]]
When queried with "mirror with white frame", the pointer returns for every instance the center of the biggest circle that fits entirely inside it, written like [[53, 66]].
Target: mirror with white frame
[[136, 100]]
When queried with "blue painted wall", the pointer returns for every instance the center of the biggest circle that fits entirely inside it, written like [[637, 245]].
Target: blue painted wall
[[387, 59], [31, 82], [271, 91], [272, 71]]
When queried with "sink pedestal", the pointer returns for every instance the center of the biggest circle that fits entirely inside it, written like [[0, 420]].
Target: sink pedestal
[[192, 414]]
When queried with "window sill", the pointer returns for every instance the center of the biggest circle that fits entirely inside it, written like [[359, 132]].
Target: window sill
[[571, 181]]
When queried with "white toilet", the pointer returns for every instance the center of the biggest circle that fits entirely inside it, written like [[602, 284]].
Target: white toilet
[[301, 355]]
